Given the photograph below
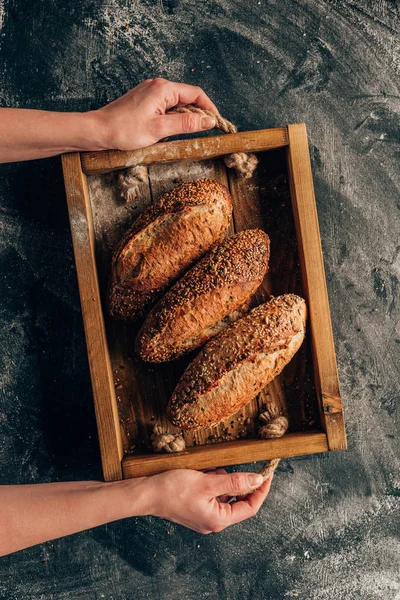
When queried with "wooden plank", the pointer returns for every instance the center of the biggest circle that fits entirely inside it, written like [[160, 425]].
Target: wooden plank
[[314, 284], [99, 362], [112, 216], [247, 214], [194, 149], [264, 202], [272, 183], [226, 453]]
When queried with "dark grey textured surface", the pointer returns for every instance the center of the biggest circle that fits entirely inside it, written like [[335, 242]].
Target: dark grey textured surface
[[329, 529]]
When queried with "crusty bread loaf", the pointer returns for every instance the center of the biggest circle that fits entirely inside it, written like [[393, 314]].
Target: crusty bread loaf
[[207, 299], [176, 230], [234, 366]]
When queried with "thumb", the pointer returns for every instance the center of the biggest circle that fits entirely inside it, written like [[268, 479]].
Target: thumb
[[173, 124], [234, 484]]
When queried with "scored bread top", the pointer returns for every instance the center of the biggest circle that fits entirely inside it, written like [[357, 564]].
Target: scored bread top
[[217, 285], [267, 329], [172, 233], [185, 195]]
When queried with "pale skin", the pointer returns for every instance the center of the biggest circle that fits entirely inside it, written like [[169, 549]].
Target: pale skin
[[135, 120], [32, 514]]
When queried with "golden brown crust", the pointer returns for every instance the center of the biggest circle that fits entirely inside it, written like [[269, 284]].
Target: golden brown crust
[[175, 231], [234, 366], [215, 287]]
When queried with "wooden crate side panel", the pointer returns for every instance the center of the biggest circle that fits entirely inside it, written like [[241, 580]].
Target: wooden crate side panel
[[226, 453], [314, 283], [99, 362], [195, 149]]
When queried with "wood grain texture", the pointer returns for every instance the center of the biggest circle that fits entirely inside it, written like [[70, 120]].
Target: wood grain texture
[[226, 453], [265, 202], [83, 239], [112, 216], [197, 149], [247, 213], [142, 390], [313, 277]]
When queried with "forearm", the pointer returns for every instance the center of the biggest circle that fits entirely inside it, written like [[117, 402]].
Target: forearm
[[28, 134], [32, 514]]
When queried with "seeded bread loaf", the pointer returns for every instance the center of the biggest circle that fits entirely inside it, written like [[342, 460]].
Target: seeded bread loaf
[[175, 231], [207, 299], [235, 366]]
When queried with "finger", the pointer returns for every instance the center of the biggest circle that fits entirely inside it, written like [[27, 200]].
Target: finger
[[174, 124], [244, 509], [218, 471], [264, 488], [261, 488], [233, 484], [189, 94], [224, 497]]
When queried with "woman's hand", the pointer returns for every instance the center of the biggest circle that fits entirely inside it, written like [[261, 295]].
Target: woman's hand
[[32, 514], [135, 120], [200, 501], [139, 118]]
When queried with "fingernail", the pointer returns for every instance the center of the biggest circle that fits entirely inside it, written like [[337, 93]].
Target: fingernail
[[255, 480], [207, 122]]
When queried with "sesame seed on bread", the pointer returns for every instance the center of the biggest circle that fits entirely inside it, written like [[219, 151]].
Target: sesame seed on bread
[[170, 235], [217, 286], [235, 365]]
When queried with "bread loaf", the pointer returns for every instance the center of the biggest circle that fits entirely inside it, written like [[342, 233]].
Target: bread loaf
[[176, 230], [234, 366], [207, 299]]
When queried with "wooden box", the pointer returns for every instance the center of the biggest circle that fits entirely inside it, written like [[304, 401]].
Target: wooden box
[[130, 396]]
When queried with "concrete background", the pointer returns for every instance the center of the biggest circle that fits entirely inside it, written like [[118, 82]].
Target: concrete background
[[329, 529]]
